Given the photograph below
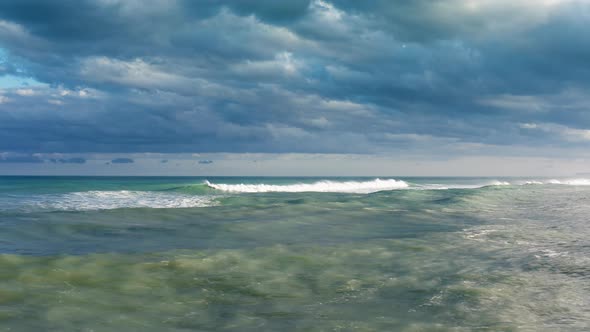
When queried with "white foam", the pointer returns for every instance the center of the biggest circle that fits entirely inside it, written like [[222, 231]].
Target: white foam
[[364, 187], [477, 233], [107, 200]]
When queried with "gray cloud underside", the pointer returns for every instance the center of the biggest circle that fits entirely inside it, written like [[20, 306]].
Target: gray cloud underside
[[122, 161], [68, 161], [294, 76]]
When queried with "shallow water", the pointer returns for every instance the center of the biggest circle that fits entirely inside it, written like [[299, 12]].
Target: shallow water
[[173, 254]]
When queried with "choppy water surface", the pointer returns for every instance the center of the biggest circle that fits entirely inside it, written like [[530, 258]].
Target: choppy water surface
[[286, 254]]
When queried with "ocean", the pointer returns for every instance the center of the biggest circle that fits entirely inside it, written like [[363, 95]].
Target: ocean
[[294, 254]]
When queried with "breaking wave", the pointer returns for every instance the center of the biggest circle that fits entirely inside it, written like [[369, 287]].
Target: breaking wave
[[108, 200], [326, 186], [365, 187], [181, 198]]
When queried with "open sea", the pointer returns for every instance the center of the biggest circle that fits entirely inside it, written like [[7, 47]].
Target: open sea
[[294, 254]]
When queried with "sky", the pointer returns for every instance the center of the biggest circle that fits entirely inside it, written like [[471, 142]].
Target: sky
[[265, 87]]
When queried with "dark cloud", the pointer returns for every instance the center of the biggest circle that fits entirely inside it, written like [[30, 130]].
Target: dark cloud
[[270, 10], [19, 158], [338, 76], [122, 161], [68, 161]]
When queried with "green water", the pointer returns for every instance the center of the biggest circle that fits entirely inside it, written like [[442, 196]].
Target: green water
[[89, 254]]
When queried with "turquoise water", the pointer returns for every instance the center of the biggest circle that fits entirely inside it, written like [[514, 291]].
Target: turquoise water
[[294, 254]]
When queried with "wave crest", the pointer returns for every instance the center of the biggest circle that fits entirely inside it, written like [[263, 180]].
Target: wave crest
[[326, 186]]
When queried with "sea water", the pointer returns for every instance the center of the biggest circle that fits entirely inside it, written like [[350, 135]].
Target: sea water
[[294, 254]]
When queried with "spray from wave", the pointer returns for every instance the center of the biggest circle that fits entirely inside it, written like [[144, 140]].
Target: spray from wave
[[363, 187]]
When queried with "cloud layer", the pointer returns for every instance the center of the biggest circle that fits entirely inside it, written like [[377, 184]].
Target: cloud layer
[[447, 77]]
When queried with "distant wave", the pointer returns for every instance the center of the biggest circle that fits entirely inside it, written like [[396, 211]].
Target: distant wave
[[108, 200], [567, 182], [326, 186], [494, 183], [572, 182]]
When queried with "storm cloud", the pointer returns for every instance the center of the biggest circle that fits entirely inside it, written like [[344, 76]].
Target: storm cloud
[[376, 77]]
